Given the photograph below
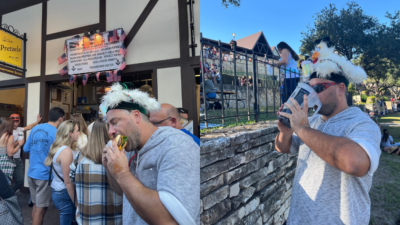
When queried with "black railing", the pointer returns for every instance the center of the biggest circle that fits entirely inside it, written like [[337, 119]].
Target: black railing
[[264, 83]]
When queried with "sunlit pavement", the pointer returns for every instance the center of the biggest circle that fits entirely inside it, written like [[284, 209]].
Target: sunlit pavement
[[51, 217]]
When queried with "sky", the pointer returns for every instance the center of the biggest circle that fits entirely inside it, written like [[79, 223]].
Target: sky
[[279, 20]]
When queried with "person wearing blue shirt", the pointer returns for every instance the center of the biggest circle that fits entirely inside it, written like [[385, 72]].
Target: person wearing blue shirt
[[38, 145], [169, 116]]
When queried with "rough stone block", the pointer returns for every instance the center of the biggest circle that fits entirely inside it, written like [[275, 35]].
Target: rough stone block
[[252, 218], [267, 191], [250, 167], [288, 193], [234, 218], [281, 160], [272, 203], [218, 168], [211, 185], [280, 172], [292, 161], [281, 182], [252, 205], [262, 140], [278, 216], [215, 197], [243, 197], [290, 172], [286, 214], [243, 147], [263, 131], [201, 206], [257, 152], [256, 176], [211, 144], [215, 213], [209, 158], [239, 138], [286, 202], [234, 190], [268, 179], [289, 184], [270, 221]]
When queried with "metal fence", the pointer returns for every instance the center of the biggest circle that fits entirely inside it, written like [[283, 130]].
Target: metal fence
[[276, 82]]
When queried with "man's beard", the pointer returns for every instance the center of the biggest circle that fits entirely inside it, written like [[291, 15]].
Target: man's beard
[[133, 140], [329, 108]]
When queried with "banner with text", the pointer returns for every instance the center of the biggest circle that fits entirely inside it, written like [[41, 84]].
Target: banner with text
[[93, 58]]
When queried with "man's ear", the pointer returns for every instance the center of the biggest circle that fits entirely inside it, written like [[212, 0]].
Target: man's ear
[[174, 120], [136, 116]]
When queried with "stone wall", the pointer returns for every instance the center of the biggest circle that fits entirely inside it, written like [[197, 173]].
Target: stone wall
[[244, 180]]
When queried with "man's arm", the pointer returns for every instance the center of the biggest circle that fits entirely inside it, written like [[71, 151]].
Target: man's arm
[[30, 126], [339, 152], [144, 201]]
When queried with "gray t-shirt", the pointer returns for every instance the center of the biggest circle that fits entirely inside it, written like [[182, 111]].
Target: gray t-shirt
[[17, 155], [322, 194], [169, 163]]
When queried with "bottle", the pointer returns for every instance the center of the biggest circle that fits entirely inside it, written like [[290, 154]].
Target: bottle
[[298, 95], [20, 136]]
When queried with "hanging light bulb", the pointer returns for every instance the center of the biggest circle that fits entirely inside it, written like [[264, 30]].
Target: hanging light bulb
[[98, 39], [86, 42]]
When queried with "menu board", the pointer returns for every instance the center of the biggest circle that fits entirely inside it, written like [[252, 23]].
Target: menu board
[[95, 57]]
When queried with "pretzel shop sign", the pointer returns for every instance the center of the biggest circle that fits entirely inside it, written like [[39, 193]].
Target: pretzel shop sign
[[99, 52]]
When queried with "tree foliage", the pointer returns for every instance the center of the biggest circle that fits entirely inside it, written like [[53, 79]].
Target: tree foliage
[[362, 39], [226, 3]]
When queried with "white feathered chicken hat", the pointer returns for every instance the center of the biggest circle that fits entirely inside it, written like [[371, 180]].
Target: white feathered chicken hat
[[120, 97], [329, 65]]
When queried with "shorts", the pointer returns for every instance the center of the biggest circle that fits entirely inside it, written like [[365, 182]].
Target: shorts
[[40, 192]]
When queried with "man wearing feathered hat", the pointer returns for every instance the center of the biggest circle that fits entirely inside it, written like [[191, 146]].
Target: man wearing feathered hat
[[159, 176], [338, 150]]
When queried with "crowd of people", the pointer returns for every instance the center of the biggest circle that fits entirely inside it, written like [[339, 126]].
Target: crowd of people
[[154, 179]]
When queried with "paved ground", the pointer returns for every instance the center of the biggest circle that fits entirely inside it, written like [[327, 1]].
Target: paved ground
[[390, 124], [52, 216]]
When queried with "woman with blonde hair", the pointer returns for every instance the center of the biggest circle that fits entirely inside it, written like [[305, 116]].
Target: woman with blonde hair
[[91, 182], [83, 137], [60, 158], [7, 148]]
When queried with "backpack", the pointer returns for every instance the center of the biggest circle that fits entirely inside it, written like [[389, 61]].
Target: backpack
[[217, 105]]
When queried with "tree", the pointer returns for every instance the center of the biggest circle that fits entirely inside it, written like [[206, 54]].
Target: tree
[[226, 3], [361, 39], [348, 30]]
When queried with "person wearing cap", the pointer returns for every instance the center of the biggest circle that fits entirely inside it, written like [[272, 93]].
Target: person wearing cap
[[18, 174], [159, 175], [338, 150], [169, 116], [183, 113]]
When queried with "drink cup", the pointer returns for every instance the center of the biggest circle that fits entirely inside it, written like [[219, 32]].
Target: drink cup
[[20, 136], [298, 95]]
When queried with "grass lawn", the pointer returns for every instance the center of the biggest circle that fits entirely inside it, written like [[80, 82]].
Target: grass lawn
[[243, 118], [391, 118], [385, 191]]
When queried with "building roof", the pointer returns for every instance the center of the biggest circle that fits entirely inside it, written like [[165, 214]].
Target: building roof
[[256, 43], [250, 41]]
